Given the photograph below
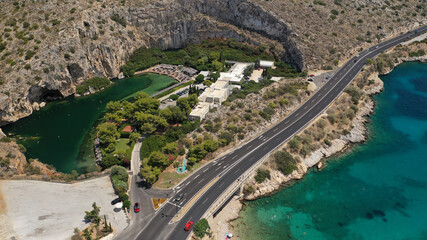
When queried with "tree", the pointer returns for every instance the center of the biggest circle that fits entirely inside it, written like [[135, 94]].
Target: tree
[[133, 137], [210, 145], [110, 160], [87, 234], [201, 227], [214, 56], [207, 83], [113, 106], [150, 123], [146, 104], [158, 159], [217, 66], [200, 78], [93, 216], [170, 148], [148, 174], [107, 133]]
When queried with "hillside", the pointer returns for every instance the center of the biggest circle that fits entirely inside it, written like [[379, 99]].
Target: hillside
[[47, 48]]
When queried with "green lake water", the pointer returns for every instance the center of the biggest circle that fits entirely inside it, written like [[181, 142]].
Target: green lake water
[[58, 133], [377, 191]]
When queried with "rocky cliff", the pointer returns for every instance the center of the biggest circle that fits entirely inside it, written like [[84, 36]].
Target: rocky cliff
[[49, 47]]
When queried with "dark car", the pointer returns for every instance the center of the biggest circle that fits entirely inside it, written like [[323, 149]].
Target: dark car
[[188, 226], [136, 208], [178, 198], [115, 201]]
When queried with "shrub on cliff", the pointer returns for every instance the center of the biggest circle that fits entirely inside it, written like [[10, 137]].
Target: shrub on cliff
[[261, 175], [96, 83], [201, 227], [285, 162]]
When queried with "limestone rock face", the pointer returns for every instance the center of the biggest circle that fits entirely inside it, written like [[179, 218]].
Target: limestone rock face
[[88, 43]]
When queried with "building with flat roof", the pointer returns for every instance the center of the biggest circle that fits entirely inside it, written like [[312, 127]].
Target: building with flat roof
[[266, 64], [200, 111]]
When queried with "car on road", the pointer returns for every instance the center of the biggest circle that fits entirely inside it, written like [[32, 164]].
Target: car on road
[[178, 198], [329, 76], [376, 47], [136, 208], [358, 55], [188, 226]]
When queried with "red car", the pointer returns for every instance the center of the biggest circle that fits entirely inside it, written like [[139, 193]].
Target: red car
[[136, 208], [188, 226], [312, 75]]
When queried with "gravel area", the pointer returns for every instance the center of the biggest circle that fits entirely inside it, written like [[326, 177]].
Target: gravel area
[[44, 210]]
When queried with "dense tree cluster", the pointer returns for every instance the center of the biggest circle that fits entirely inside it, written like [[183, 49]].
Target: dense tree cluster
[[146, 118], [208, 55]]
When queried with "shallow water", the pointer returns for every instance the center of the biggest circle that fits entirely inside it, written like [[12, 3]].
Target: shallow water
[[375, 191], [59, 129]]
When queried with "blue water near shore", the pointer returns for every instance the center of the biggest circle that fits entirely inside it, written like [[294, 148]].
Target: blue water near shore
[[378, 190]]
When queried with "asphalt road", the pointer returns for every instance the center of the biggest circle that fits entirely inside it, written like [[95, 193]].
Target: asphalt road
[[231, 166]]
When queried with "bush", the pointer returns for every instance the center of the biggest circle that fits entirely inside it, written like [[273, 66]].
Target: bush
[[201, 227], [261, 175], [119, 20], [285, 162], [174, 97], [96, 83], [119, 186], [119, 173]]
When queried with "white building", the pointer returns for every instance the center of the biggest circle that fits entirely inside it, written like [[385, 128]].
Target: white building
[[200, 111], [266, 64]]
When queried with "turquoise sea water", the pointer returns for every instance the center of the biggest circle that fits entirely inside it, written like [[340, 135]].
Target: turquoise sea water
[[378, 190], [58, 133]]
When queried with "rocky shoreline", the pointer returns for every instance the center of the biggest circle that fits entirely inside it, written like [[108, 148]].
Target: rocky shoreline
[[278, 180]]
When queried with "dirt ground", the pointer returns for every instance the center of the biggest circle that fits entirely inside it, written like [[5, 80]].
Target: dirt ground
[[45, 210]]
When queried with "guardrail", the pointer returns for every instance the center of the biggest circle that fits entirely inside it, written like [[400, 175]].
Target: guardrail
[[219, 202]]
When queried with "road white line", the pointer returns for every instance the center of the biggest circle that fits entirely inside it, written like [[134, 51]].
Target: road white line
[[205, 201], [196, 177], [201, 180], [234, 157], [205, 169], [187, 183], [275, 129]]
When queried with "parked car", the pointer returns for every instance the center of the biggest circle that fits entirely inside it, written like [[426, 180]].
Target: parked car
[[188, 226], [136, 208], [310, 79], [115, 201], [329, 76], [376, 47], [312, 75]]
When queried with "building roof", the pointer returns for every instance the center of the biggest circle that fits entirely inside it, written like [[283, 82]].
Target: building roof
[[220, 84], [256, 75], [204, 73], [201, 109], [263, 63]]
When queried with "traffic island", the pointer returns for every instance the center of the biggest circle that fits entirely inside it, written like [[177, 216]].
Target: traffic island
[[190, 203], [158, 202]]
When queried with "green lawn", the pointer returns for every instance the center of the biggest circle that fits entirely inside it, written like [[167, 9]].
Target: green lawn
[[122, 144], [158, 82]]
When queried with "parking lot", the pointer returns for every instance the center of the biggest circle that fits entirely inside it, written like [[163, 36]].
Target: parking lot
[[45, 210]]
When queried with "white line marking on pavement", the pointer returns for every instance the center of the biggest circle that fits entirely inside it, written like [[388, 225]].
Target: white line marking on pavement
[[205, 201], [196, 176], [205, 169]]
